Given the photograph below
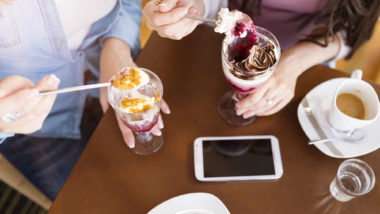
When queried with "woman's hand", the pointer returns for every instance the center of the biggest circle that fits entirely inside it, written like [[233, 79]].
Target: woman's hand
[[278, 90], [19, 95], [275, 93], [167, 17]]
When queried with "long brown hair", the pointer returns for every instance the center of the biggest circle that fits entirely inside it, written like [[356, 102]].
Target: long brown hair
[[356, 17]]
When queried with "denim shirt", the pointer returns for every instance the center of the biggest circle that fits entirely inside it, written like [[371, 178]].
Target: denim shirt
[[33, 45]]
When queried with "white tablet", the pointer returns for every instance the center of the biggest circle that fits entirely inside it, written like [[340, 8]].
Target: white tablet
[[237, 158]]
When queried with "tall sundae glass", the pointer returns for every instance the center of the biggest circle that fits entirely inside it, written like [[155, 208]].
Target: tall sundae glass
[[249, 57], [135, 94]]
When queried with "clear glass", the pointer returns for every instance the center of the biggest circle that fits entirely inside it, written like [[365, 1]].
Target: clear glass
[[354, 178], [140, 123], [242, 87]]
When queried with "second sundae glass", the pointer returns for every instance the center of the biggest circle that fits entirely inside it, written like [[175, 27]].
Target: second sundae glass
[[244, 73], [143, 109]]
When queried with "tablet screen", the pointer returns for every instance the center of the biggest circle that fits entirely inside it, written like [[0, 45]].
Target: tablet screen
[[248, 157]]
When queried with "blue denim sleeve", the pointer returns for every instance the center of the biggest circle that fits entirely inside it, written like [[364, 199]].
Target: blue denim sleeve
[[4, 136], [127, 26]]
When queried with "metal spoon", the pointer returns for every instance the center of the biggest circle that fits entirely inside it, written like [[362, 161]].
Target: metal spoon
[[200, 18], [76, 88], [355, 135], [191, 16]]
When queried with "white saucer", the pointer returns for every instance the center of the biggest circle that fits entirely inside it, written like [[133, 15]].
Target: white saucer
[[320, 100], [192, 203]]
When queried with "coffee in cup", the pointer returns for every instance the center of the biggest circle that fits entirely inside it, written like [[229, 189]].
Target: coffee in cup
[[355, 104], [352, 106]]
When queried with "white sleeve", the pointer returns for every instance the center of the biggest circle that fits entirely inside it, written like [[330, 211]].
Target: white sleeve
[[344, 49], [212, 7], [4, 136]]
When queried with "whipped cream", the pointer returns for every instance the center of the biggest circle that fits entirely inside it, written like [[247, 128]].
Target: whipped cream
[[137, 102], [132, 92], [226, 20], [137, 105]]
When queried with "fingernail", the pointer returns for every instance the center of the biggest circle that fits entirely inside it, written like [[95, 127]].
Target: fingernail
[[32, 93], [238, 112], [161, 125], [53, 80], [168, 111], [245, 116], [193, 10], [159, 133], [131, 146], [163, 4]]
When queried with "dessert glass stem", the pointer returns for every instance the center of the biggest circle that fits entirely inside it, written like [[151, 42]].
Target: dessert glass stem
[[146, 143], [227, 109]]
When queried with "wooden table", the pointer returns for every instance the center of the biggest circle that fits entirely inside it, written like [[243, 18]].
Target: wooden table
[[109, 178]]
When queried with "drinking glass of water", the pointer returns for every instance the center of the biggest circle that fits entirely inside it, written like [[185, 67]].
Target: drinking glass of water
[[354, 178]]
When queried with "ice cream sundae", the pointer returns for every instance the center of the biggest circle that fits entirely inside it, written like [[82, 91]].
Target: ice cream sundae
[[249, 56], [248, 51], [135, 94], [134, 97]]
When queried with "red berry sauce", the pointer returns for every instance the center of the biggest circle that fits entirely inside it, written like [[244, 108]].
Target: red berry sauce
[[240, 47]]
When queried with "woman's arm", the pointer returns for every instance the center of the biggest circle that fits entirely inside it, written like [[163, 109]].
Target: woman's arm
[[116, 54], [311, 54], [279, 89]]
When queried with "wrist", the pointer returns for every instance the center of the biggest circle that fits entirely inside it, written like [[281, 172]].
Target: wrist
[[291, 64], [115, 55]]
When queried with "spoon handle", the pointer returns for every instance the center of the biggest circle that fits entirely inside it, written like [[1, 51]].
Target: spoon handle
[[195, 17], [75, 88], [199, 18], [321, 141]]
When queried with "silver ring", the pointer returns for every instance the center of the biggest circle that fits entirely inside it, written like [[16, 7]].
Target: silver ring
[[269, 101], [11, 117]]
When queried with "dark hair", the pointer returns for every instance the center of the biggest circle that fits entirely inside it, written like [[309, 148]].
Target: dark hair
[[356, 17]]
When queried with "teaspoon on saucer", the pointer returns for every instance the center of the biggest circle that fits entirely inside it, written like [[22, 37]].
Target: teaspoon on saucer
[[355, 135]]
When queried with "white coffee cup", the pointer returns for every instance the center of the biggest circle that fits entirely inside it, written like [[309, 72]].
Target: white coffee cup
[[362, 90]]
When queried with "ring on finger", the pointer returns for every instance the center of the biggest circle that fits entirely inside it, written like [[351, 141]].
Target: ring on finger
[[11, 117]]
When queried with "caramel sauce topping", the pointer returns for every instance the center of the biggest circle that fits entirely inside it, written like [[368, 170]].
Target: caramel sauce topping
[[133, 104], [155, 97], [127, 80]]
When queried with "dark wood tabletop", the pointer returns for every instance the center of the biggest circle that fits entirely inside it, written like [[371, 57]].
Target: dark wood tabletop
[[110, 178]]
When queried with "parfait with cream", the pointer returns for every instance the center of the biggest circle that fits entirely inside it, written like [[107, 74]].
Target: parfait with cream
[[135, 94], [249, 56]]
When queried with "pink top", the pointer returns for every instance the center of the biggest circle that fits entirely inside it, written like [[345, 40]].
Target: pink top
[[289, 20]]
